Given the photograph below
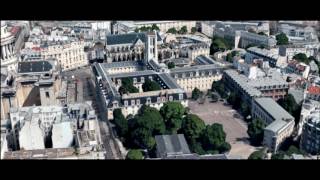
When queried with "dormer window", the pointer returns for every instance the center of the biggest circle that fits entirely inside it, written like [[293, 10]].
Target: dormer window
[[148, 100]]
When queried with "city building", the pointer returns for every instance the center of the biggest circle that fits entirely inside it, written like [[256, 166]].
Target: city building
[[299, 68], [279, 123], [310, 137], [8, 51], [272, 85], [200, 76], [270, 56], [308, 106], [62, 135], [123, 27], [313, 92], [290, 50], [208, 27], [169, 146], [297, 33]]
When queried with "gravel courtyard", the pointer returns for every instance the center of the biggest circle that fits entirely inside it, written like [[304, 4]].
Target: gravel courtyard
[[235, 127]]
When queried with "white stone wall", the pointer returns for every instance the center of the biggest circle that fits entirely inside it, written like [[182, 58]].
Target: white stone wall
[[203, 83], [69, 56]]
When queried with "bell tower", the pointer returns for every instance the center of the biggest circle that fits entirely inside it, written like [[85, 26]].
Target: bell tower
[[151, 51]]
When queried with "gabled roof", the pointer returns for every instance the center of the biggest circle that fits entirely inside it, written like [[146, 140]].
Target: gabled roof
[[129, 38], [172, 145]]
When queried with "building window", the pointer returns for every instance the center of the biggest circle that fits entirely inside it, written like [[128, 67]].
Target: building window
[[158, 99], [142, 79], [138, 101], [180, 96], [148, 100], [47, 94], [134, 80], [125, 103], [132, 103], [170, 98]]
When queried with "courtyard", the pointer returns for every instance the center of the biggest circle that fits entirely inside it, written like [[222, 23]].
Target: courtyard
[[233, 124]]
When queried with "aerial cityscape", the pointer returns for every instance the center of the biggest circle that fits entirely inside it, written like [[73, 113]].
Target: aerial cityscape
[[158, 90]]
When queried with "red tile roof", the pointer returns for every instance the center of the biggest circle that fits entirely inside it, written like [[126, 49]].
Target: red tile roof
[[314, 90]]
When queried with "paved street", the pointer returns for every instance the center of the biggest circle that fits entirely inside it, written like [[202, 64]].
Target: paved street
[[235, 127], [87, 92]]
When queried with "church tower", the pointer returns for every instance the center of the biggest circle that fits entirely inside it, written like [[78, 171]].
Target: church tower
[[151, 51]]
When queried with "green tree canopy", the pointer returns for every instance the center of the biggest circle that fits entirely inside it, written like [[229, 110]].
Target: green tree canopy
[[255, 131], [172, 113], [218, 86], [134, 154], [262, 33], [257, 155], [289, 104], [192, 126], [282, 39], [193, 30], [183, 30], [155, 27], [229, 57], [213, 138], [145, 126], [171, 65], [127, 86], [196, 93], [172, 31], [301, 57], [278, 155], [120, 122], [150, 85]]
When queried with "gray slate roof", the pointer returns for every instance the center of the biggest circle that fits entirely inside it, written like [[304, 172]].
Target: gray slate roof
[[129, 38], [34, 66], [172, 145], [273, 108]]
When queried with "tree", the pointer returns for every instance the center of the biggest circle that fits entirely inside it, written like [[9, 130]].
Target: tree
[[301, 57], [262, 33], [278, 155], [214, 97], [249, 46], [127, 86], [172, 31], [172, 113], [244, 108], [255, 131], [192, 126], [257, 155], [150, 85], [289, 104], [183, 30], [145, 126], [218, 44], [282, 39], [193, 30], [218, 86], [293, 150], [196, 93], [229, 57], [171, 65], [213, 138], [155, 27], [120, 122], [235, 100], [134, 154]]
